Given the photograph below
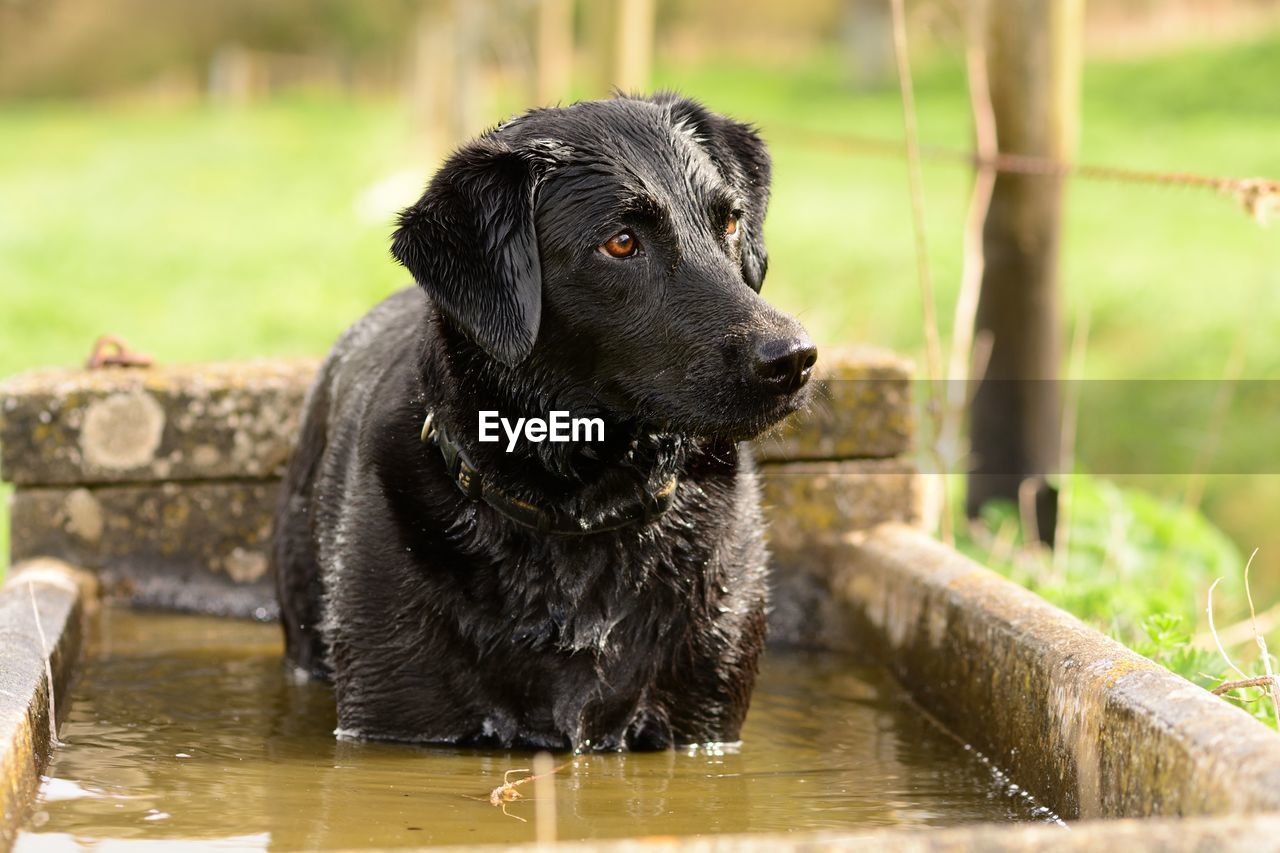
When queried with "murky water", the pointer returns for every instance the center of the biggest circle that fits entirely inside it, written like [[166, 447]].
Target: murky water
[[186, 730]]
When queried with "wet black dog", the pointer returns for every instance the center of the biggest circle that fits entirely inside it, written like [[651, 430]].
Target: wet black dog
[[601, 259]]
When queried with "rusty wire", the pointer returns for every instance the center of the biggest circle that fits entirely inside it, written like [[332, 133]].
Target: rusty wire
[[1260, 197], [112, 351]]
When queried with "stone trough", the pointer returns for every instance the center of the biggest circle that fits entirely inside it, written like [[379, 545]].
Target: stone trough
[[156, 486]]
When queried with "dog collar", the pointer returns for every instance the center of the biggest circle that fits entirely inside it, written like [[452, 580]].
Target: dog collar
[[648, 507]]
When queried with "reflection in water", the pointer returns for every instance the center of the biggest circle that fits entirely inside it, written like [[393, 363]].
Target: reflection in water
[[188, 729]]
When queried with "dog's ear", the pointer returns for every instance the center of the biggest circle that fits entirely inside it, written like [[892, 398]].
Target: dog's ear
[[470, 243], [742, 158]]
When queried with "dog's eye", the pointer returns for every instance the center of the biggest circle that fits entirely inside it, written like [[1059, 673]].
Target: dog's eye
[[731, 224], [620, 245]]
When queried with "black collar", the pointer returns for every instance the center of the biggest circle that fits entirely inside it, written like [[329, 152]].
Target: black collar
[[644, 509]]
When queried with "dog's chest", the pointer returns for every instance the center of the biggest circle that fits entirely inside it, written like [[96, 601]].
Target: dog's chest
[[598, 598]]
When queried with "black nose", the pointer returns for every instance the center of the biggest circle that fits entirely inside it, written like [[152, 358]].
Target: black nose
[[784, 364]]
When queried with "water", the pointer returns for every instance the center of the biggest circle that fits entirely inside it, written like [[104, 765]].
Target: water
[[185, 732]]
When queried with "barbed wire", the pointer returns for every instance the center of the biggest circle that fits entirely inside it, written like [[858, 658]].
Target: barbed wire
[[1259, 197]]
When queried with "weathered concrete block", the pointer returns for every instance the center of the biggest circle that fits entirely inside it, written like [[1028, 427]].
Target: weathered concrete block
[[97, 456], [804, 500], [239, 421], [198, 547], [811, 507], [188, 422], [861, 409], [41, 605]]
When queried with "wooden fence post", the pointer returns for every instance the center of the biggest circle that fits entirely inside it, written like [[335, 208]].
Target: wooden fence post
[[444, 88], [1034, 65], [633, 47], [554, 54], [620, 40]]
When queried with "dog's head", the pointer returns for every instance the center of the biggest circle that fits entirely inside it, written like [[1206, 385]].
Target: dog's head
[[618, 246]]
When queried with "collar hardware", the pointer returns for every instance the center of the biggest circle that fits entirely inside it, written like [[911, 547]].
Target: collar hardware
[[643, 510]]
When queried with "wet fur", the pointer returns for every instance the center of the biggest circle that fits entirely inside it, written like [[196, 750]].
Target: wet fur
[[440, 620]]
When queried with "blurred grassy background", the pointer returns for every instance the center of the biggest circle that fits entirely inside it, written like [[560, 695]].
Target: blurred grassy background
[[204, 233], [198, 232]]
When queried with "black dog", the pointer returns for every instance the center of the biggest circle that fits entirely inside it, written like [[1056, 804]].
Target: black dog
[[601, 259]]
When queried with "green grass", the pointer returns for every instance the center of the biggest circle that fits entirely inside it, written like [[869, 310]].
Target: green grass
[[1140, 569], [194, 234], [200, 233]]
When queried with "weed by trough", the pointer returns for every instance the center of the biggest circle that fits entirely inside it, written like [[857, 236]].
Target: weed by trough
[[1237, 689], [1143, 570]]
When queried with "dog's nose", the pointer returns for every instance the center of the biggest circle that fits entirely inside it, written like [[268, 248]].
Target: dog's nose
[[784, 364]]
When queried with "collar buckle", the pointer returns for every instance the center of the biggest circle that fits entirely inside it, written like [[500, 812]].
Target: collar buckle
[[468, 479]]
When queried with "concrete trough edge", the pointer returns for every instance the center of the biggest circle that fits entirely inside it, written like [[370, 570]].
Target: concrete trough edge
[[239, 420], [1244, 833], [43, 604], [1089, 727]]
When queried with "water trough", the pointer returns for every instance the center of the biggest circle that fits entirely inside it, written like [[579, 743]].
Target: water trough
[[153, 488]]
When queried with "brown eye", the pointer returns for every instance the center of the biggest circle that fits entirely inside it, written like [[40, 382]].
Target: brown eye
[[620, 245], [731, 226]]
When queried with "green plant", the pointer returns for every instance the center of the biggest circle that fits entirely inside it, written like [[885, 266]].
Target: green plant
[[1139, 568], [1133, 556], [1164, 639]]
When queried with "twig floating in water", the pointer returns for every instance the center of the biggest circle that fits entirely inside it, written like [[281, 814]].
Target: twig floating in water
[[507, 793]]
